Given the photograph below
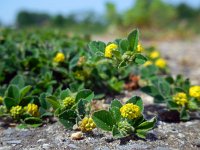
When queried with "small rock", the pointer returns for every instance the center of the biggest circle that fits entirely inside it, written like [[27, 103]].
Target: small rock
[[14, 142], [41, 140], [161, 148], [73, 146], [180, 135], [46, 146], [5, 148], [197, 143], [77, 136], [102, 148]]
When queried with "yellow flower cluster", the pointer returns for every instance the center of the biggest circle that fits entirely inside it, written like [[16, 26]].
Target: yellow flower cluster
[[161, 63], [195, 92], [154, 55], [180, 98], [1, 100], [108, 50], [16, 111], [32, 109], [68, 102], [87, 124], [130, 111], [139, 48], [60, 57]]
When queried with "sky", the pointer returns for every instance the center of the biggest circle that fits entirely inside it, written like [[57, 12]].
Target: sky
[[9, 8]]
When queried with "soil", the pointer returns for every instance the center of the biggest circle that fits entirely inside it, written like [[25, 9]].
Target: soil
[[169, 133]]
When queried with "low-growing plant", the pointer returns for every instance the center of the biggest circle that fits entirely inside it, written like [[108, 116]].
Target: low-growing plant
[[124, 120], [177, 93]]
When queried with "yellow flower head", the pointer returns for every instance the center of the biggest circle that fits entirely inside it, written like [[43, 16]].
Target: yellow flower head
[[195, 91], [109, 49], [60, 57], [16, 111], [68, 102], [32, 109], [139, 48], [148, 63], [161, 63], [87, 124], [180, 98], [130, 111], [154, 55], [1, 100]]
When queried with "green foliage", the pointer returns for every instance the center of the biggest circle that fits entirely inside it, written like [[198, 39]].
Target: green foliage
[[113, 121]]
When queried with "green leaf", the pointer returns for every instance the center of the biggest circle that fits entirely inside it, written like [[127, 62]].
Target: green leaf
[[18, 80], [141, 133], [97, 46], [68, 118], [81, 108], [116, 103], [150, 90], [140, 59], [164, 88], [159, 99], [73, 62], [115, 132], [147, 125], [44, 104], [26, 100], [9, 102], [137, 101], [122, 64], [99, 96], [64, 94], [86, 94], [124, 45], [133, 38], [24, 91], [115, 114], [33, 120], [184, 114], [172, 105], [103, 119], [53, 101], [13, 92], [193, 105]]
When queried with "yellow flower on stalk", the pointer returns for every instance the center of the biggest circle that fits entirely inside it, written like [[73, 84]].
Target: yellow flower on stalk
[[195, 92], [108, 50], [68, 102], [154, 55], [130, 111], [16, 111], [32, 109], [139, 48], [161, 63], [60, 57], [1, 100], [180, 98], [87, 124], [148, 63]]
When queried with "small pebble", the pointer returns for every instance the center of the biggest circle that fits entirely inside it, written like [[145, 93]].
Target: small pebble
[[77, 136]]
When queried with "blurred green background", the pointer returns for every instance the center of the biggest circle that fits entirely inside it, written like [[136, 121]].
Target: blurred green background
[[168, 20]]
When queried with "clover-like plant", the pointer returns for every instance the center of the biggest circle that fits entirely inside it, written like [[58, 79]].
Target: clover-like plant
[[124, 120], [177, 94], [19, 104], [121, 52], [73, 108]]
